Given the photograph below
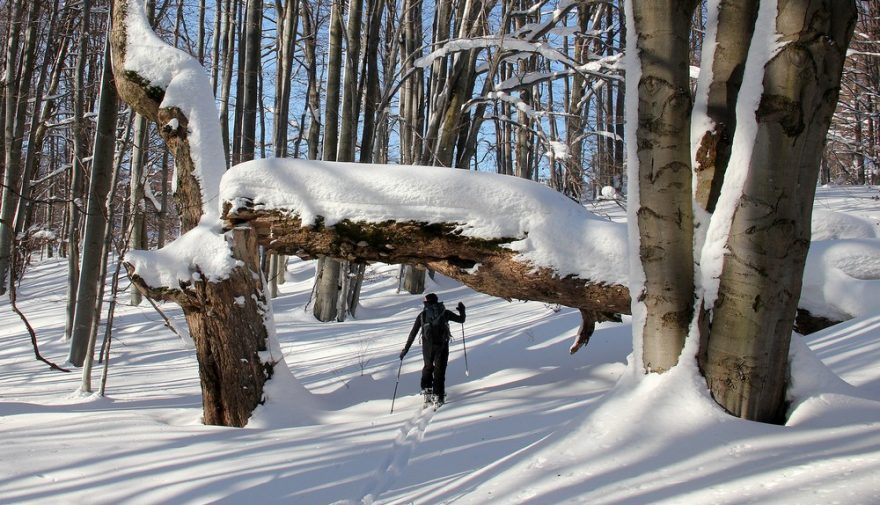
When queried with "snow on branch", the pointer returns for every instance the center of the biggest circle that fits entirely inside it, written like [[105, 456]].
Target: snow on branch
[[603, 68], [169, 86], [500, 42], [853, 52]]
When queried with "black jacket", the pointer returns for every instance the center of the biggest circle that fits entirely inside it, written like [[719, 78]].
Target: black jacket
[[417, 325]]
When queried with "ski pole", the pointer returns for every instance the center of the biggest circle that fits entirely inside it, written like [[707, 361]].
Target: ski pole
[[464, 343], [395, 386]]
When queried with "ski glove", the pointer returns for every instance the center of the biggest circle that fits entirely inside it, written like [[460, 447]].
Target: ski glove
[[460, 307]]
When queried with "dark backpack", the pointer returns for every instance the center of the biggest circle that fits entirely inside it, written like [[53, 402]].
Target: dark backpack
[[434, 323]]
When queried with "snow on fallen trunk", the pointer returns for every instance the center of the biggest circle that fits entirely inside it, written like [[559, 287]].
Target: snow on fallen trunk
[[548, 229], [842, 279]]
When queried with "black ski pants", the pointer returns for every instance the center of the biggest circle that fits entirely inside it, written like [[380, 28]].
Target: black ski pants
[[436, 356]]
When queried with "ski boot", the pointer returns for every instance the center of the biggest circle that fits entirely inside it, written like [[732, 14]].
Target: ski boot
[[428, 396]]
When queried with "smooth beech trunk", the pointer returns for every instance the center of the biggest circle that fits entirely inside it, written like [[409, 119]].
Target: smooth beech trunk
[[745, 359], [756, 199], [664, 210], [91, 270], [136, 208]]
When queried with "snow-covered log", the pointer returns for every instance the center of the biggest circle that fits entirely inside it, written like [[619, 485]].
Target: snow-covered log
[[485, 265], [500, 235]]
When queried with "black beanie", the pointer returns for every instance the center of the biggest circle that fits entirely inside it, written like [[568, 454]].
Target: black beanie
[[431, 298]]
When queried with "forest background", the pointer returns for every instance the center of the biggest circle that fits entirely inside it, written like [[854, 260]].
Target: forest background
[[533, 91]]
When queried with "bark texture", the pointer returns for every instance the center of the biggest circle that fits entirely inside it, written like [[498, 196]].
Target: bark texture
[[736, 23], [436, 246], [226, 318], [746, 356], [665, 212], [226, 322]]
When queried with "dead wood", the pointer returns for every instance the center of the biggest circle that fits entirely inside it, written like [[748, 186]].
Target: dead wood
[[484, 265]]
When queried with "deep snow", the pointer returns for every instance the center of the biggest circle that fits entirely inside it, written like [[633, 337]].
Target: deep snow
[[530, 424]]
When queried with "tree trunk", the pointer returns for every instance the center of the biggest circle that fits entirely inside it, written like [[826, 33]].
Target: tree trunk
[[138, 239], [84, 328], [285, 42], [105, 254], [228, 341], [77, 168], [334, 72], [162, 215], [371, 93], [12, 142], [253, 32], [226, 84], [327, 287], [327, 294], [215, 45], [200, 37], [136, 207], [663, 211], [227, 317], [314, 101], [350, 99], [736, 23], [414, 279], [746, 355]]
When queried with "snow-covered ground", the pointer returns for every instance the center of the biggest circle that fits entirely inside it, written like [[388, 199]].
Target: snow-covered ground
[[528, 424]]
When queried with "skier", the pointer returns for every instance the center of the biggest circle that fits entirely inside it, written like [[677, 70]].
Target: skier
[[434, 323]]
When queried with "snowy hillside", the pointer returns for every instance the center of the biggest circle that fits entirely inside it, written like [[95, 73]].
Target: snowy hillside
[[528, 424]]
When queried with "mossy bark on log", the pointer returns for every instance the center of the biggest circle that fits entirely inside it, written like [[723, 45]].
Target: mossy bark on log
[[484, 265], [806, 322]]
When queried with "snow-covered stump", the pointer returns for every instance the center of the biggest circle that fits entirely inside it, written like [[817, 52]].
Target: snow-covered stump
[[226, 323]]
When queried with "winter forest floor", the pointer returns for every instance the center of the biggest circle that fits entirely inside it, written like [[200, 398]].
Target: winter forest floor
[[525, 423]]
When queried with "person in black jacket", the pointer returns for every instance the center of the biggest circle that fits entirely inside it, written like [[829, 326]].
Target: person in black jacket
[[434, 323]]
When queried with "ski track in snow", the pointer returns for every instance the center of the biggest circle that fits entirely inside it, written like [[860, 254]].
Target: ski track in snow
[[408, 437]]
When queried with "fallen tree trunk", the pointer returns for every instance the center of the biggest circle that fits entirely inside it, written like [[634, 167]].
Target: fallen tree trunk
[[484, 265]]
